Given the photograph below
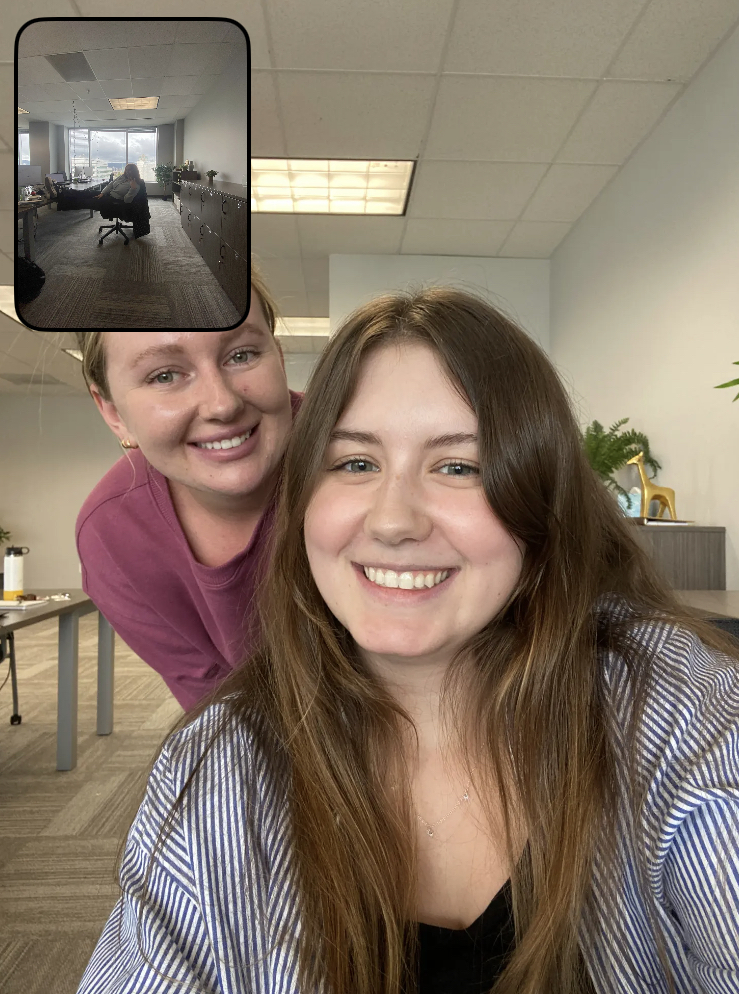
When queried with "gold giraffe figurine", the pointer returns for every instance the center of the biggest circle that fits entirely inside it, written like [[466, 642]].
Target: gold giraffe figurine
[[665, 496]]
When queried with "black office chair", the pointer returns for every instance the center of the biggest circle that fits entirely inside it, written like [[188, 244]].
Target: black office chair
[[136, 211], [118, 228]]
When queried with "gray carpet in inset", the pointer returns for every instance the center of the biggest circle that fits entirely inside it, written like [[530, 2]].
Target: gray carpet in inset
[[157, 281]]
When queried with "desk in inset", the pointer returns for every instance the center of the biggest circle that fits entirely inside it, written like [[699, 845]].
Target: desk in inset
[[27, 209], [69, 613]]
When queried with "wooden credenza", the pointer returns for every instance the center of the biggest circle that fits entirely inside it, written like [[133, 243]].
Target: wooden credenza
[[215, 217], [689, 557]]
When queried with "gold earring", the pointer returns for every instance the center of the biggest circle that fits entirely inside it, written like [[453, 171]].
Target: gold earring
[[126, 443]]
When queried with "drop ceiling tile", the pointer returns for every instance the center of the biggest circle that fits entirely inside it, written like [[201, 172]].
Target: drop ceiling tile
[[6, 270], [8, 113], [192, 59], [151, 32], [15, 15], [266, 132], [148, 87], [321, 235], [37, 70], [204, 82], [436, 236], [362, 35], [524, 119], [496, 191], [7, 190], [357, 115], [274, 235], [117, 87], [534, 239], [250, 15], [155, 60], [673, 38], [58, 91], [538, 37], [318, 302], [199, 32], [566, 191], [32, 92], [172, 102], [177, 85], [95, 105], [110, 63], [86, 89], [118, 33], [315, 274], [51, 37], [620, 114]]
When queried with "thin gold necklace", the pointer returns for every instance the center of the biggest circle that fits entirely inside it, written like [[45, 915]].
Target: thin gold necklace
[[431, 829]]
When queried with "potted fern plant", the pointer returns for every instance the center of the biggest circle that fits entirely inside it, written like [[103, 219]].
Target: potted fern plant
[[609, 450], [731, 383]]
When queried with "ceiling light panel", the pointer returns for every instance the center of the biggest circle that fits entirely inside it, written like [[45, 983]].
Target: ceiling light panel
[[134, 103], [330, 186]]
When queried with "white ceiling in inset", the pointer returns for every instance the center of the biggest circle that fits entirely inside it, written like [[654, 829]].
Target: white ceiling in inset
[[518, 112]]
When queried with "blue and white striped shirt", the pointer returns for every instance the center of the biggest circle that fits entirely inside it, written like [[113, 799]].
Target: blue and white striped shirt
[[223, 887]]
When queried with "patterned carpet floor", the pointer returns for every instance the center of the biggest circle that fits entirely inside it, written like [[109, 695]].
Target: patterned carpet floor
[[60, 833], [157, 281]]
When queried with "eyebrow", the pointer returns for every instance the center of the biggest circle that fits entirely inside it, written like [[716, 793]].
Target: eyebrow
[[173, 348], [437, 442]]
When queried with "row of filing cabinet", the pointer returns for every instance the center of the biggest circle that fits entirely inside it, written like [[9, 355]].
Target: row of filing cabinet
[[217, 223]]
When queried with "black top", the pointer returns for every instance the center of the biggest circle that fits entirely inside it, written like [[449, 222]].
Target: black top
[[467, 960]]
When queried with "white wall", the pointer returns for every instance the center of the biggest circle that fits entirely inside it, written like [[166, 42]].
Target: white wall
[[520, 287], [217, 128], [645, 299], [53, 452]]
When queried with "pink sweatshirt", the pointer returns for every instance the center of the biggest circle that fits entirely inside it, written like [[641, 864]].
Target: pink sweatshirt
[[193, 624]]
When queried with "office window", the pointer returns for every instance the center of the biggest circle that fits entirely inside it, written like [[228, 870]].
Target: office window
[[142, 149], [79, 149], [107, 153], [24, 154]]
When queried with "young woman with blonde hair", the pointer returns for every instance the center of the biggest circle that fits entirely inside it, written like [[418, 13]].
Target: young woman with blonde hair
[[171, 540], [480, 745]]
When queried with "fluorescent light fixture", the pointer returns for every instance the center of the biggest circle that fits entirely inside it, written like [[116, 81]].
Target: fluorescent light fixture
[[330, 186], [75, 353], [134, 103], [21, 111]]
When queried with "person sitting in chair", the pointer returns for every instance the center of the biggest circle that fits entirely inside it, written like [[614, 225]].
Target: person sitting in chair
[[120, 190]]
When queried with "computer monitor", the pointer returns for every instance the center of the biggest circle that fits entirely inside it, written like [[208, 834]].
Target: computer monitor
[[57, 177], [87, 171]]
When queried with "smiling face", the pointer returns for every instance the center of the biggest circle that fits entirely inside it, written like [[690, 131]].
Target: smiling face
[[209, 409], [401, 541]]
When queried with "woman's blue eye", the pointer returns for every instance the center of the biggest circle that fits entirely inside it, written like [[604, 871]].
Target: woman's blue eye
[[363, 466], [459, 469], [243, 352], [164, 372]]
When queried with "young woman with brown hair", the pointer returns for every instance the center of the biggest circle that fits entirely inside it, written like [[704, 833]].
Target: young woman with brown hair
[[171, 540], [480, 746]]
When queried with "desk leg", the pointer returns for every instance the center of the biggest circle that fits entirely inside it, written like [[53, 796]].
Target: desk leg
[[106, 659], [66, 735]]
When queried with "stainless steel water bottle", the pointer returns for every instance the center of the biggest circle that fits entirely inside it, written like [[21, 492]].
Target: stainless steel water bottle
[[13, 571]]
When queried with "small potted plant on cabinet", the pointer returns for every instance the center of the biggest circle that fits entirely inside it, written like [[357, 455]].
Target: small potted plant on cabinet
[[210, 174]]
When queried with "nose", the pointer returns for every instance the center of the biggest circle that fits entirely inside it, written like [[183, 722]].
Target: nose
[[398, 512], [218, 400]]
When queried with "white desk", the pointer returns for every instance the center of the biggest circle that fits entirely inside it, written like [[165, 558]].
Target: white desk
[[69, 613]]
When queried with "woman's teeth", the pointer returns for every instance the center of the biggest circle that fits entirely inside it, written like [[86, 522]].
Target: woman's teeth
[[227, 443], [406, 581]]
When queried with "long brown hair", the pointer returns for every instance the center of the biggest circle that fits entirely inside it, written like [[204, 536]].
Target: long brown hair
[[132, 172], [92, 343], [537, 724]]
